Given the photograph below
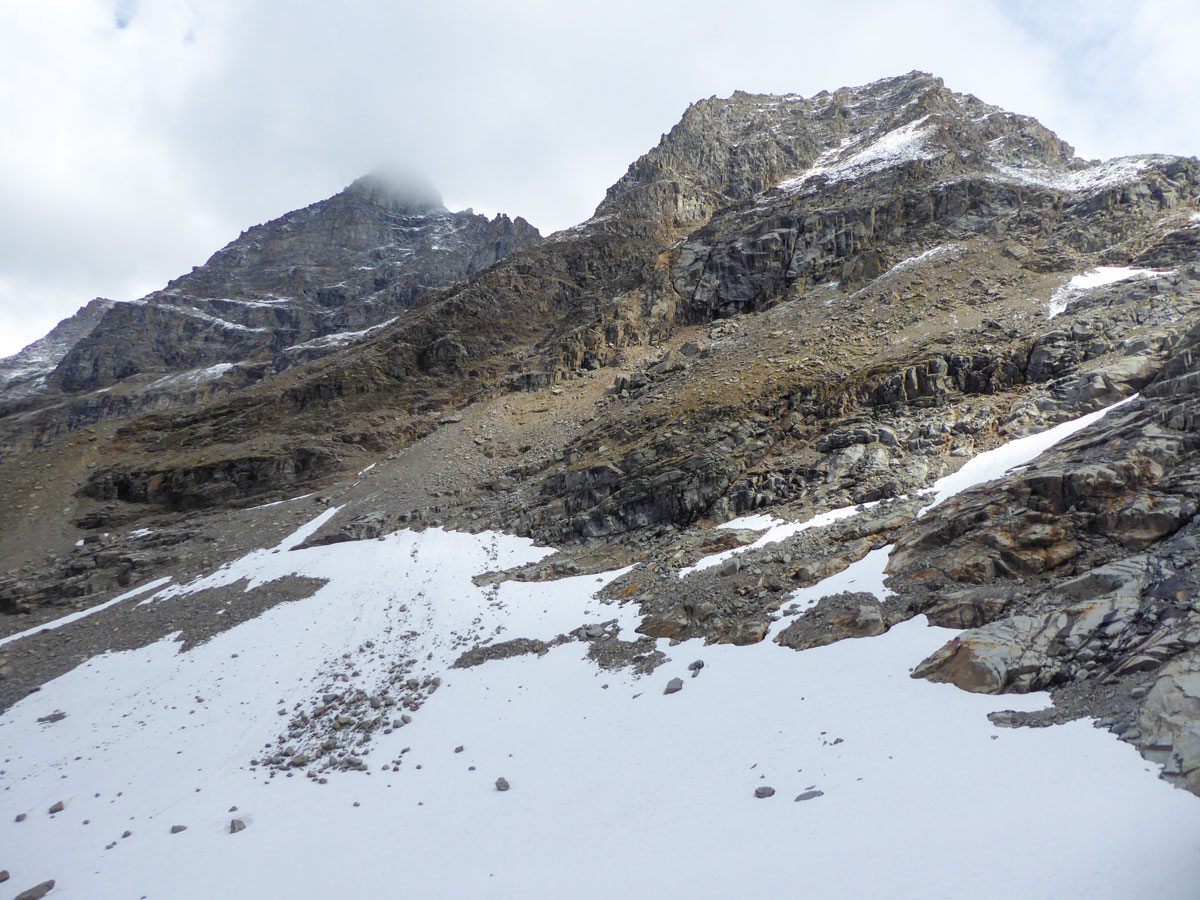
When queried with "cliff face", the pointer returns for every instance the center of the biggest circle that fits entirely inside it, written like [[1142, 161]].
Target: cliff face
[[789, 306], [27, 372]]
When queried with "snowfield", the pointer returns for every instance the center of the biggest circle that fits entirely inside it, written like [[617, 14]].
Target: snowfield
[[616, 788]]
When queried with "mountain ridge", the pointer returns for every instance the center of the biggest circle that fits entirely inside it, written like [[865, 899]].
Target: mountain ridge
[[789, 307]]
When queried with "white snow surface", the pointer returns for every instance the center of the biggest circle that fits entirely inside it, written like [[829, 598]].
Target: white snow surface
[[1109, 173], [753, 522], [616, 788], [900, 145], [1095, 278]]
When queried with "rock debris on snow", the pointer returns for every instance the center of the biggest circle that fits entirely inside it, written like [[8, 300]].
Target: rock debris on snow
[[37, 892]]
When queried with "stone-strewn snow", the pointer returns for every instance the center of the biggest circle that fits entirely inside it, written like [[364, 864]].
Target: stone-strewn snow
[[1098, 277], [943, 250], [34, 363], [281, 502], [259, 303], [932, 253], [864, 575], [616, 788], [575, 231]]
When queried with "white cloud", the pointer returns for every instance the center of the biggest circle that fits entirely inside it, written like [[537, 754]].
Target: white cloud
[[139, 150]]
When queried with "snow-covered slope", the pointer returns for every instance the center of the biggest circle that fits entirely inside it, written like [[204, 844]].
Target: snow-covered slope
[[884, 786]]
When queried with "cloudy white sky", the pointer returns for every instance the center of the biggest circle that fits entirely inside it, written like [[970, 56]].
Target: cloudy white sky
[[141, 135]]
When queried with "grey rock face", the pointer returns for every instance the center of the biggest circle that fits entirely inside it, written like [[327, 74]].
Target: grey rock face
[[1170, 720], [28, 371], [791, 238], [1099, 542], [336, 267], [857, 199], [724, 152], [300, 287], [846, 615]]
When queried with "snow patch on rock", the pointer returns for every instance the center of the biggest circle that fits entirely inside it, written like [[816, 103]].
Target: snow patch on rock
[[1095, 278], [901, 145], [1107, 174]]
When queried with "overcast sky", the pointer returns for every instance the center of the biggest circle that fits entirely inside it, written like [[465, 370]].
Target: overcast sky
[[139, 136]]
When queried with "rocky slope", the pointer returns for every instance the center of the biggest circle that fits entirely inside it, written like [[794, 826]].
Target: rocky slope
[[789, 306]]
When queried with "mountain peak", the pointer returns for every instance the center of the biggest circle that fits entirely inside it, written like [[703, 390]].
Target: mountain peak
[[403, 193], [726, 151]]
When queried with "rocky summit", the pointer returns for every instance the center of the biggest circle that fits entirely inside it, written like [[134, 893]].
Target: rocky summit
[[888, 328]]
